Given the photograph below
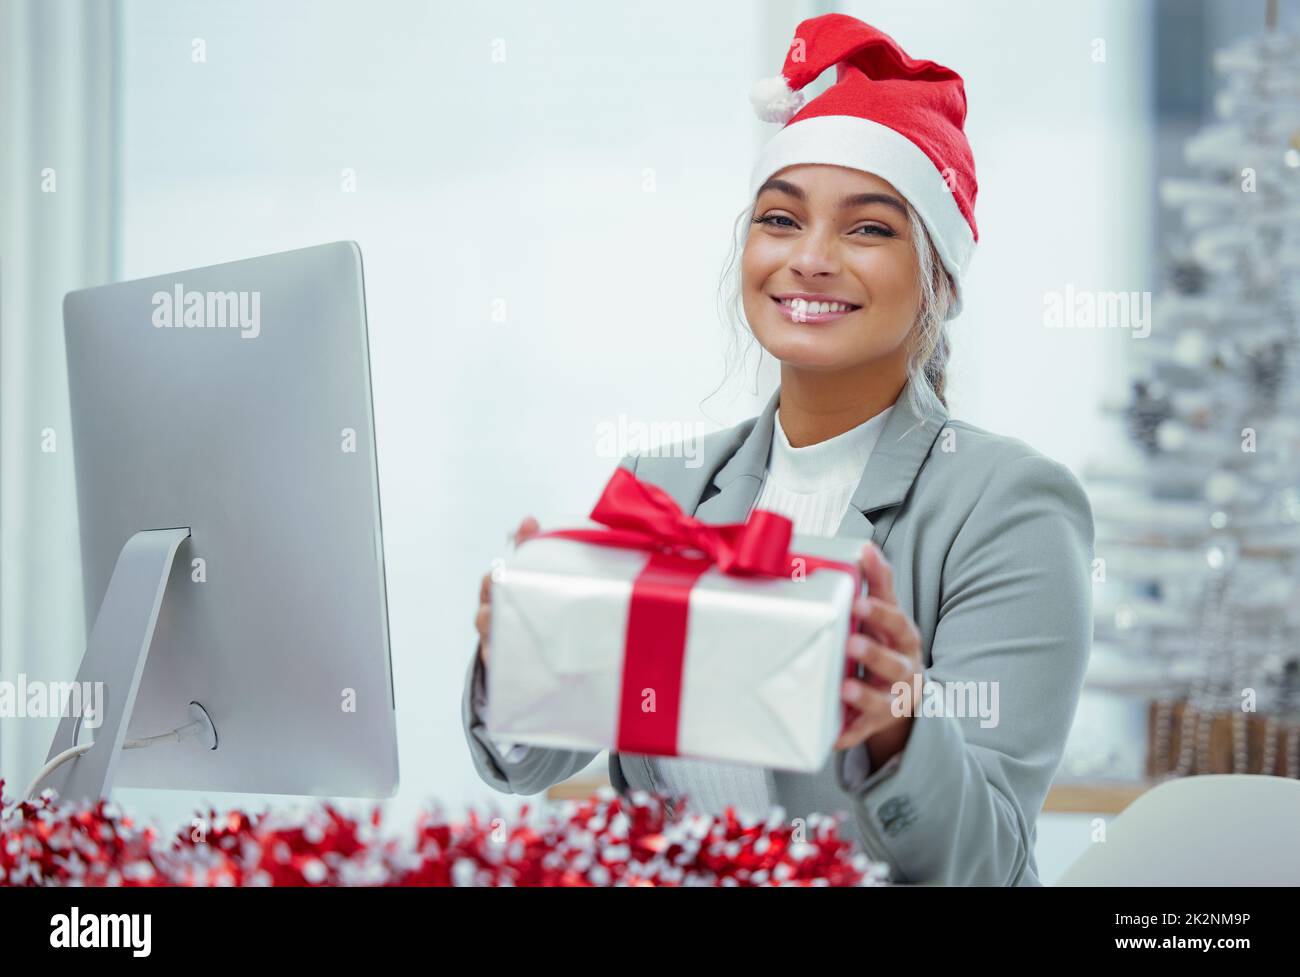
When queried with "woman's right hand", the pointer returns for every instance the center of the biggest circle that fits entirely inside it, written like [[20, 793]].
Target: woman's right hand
[[483, 621]]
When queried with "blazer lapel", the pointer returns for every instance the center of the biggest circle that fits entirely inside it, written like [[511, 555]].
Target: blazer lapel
[[736, 485], [902, 448]]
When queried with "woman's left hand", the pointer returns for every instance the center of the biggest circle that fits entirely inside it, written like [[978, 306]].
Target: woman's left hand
[[889, 645]]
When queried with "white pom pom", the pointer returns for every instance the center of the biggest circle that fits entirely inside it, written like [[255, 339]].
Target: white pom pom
[[774, 101]]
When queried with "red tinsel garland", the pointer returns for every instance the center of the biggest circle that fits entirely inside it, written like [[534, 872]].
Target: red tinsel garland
[[604, 840]]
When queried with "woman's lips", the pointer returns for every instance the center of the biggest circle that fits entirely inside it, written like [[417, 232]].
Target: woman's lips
[[799, 310]]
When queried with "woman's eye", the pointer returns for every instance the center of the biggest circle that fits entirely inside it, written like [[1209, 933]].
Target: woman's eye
[[785, 221]]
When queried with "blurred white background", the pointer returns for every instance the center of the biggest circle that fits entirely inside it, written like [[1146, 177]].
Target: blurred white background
[[577, 168]]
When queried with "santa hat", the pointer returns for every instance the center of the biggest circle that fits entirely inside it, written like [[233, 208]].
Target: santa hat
[[887, 114]]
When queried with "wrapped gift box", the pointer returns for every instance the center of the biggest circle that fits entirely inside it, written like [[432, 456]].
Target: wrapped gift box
[[658, 651]]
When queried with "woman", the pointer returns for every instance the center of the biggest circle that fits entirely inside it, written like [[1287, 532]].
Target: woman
[[978, 569]]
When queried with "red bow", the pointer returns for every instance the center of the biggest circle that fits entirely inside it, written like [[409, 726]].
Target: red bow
[[643, 516]]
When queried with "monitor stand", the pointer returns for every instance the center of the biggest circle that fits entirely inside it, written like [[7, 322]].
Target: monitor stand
[[115, 655]]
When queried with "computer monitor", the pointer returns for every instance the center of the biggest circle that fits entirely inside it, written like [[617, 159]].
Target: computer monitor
[[228, 494]]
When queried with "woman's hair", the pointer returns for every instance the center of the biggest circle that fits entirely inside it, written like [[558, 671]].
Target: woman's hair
[[928, 363]]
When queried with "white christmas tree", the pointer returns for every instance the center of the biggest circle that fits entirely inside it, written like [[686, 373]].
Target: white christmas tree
[[1198, 528]]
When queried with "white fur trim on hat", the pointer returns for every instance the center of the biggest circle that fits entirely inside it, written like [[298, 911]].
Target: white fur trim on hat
[[774, 101], [846, 140]]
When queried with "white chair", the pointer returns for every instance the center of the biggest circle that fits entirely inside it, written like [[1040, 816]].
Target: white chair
[[1215, 829]]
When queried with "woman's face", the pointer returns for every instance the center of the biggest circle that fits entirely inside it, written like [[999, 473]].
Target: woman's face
[[829, 272]]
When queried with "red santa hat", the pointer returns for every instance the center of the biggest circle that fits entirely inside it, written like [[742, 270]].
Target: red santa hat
[[888, 114]]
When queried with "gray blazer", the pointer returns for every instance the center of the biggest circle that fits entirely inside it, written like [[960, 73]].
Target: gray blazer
[[991, 544]]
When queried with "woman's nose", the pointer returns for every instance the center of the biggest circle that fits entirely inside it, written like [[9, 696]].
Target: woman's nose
[[815, 255]]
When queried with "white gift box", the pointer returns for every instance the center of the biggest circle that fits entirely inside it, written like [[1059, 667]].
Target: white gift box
[[762, 670]]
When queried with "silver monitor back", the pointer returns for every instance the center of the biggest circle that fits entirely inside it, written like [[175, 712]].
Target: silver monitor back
[[235, 399]]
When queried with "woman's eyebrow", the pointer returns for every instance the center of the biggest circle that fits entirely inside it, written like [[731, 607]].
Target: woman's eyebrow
[[785, 186], [854, 200], [862, 199]]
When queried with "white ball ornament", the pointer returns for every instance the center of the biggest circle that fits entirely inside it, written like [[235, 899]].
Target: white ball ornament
[[1171, 436], [1190, 348], [1222, 488]]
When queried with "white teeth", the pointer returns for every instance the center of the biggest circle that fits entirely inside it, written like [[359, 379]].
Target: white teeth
[[814, 308]]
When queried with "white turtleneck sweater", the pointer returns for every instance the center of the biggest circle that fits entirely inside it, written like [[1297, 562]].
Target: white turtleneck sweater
[[812, 486]]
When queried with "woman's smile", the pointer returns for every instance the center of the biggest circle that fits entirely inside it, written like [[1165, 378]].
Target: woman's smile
[[808, 307]]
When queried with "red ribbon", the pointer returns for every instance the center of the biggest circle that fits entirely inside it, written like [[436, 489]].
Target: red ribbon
[[644, 517]]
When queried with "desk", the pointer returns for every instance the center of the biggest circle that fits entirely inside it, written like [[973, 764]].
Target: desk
[[1069, 797]]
